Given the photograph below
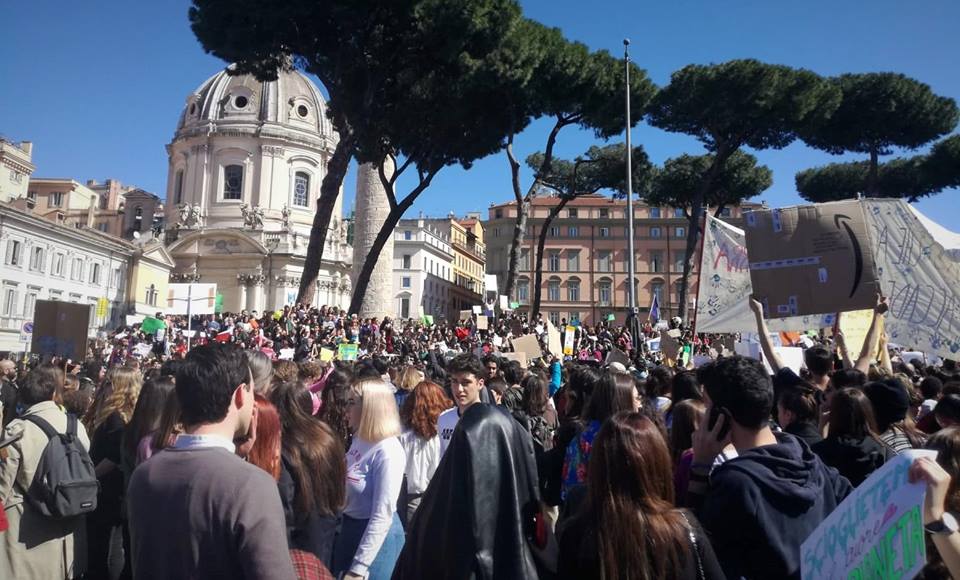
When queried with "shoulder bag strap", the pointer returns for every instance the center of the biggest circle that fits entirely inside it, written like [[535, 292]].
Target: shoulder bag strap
[[44, 426], [696, 546]]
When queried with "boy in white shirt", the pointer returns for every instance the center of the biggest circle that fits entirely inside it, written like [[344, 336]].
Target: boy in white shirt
[[466, 381]]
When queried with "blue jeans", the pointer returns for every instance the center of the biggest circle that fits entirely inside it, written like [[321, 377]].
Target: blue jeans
[[345, 547]]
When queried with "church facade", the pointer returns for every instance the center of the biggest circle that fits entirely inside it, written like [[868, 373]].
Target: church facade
[[245, 167]]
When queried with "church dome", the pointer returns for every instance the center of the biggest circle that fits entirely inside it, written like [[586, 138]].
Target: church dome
[[289, 106]]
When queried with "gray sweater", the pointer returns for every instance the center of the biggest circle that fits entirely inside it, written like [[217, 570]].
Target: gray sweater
[[205, 513]]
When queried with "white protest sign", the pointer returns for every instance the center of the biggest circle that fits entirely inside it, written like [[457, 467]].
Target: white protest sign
[[724, 286], [918, 264], [490, 283], [201, 298], [876, 530], [286, 353], [569, 334]]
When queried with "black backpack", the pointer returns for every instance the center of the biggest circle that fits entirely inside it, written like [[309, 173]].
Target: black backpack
[[65, 484]]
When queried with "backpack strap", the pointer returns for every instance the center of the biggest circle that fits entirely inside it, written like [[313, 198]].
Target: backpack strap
[[71, 425], [44, 426]]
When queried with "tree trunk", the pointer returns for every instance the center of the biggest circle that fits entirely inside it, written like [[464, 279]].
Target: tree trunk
[[872, 175], [329, 192], [386, 230], [541, 242], [693, 229]]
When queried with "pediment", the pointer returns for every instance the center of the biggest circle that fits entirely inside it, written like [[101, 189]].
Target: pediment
[[216, 243]]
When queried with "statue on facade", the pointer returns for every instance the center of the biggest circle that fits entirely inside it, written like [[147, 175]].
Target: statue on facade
[[184, 214], [246, 214], [252, 218], [193, 220], [257, 218], [285, 217]]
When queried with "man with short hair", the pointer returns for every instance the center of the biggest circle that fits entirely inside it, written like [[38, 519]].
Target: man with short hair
[[761, 505], [491, 363], [466, 383], [8, 391], [36, 546], [196, 509]]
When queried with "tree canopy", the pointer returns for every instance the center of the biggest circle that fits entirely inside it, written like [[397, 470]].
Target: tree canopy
[[740, 178], [600, 168]]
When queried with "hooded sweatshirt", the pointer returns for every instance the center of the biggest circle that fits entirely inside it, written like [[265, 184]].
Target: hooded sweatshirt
[[764, 503]]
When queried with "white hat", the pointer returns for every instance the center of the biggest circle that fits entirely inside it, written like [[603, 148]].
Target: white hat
[[617, 367]]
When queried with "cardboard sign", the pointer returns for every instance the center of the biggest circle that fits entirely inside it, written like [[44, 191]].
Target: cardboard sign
[[812, 259], [653, 345], [481, 322], [326, 355], [466, 314], [854, 326], [529, 345], [60, 329], [569, 336], [490, 283], [554, 342], [725, 288], [348, 351], [520, 357], [877, 529], [143, 349], [669, 345], [504, 302], [200, 298], [516, 327]]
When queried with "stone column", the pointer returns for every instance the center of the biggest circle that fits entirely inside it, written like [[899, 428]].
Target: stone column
[[241, 295], [372, 209]]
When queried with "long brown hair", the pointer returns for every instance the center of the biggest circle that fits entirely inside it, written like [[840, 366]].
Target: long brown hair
[[265, 453], [851, 415], [169, 427], [687, 415], [124, 388], [146, 415], [639, 533], [313, 452], [423, 407]]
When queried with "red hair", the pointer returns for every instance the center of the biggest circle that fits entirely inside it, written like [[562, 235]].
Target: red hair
[[423, 407], [265, 453]]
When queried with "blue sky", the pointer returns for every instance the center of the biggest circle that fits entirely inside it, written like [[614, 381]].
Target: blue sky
[[98, 86]]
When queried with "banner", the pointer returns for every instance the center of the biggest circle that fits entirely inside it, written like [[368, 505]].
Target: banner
[[347, 351], [854, 326], [569, 334], [877, 532], [554, 342], [918, 264], [723, 295], [102, 305], [202, 298], [326, 355], [60, 328]]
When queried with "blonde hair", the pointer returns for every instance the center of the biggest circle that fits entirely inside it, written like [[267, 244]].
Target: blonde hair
[[379, 418], [410, 378], [121, 397]]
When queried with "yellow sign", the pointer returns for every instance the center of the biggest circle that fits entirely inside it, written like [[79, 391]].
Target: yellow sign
[[854, 325], [102, 305], [326, 355]]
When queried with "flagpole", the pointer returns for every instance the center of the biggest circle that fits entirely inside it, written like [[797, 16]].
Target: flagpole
[[633, 324], [189, 310]]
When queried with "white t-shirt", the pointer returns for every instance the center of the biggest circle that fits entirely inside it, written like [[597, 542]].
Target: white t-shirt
[[374, 477], [446, 423], [423, 457]]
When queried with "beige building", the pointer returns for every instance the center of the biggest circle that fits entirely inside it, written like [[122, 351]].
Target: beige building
[[16, 167], [586, 259], [469, 258]]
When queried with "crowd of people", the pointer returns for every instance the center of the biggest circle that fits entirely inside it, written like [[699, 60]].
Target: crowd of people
[[437, 453]]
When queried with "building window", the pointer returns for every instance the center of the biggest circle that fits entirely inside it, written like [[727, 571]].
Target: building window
[[56, 295], [573, 290], [656, 261], [654, 212], [138, 213], [572, 212], [95, 274], [151, 296], [178, 187], [32, 196], [58, 265], [301, 189], [554, 318], [726, 212], [497, 214], [553, 261], [523, 291], [573, 260], [407, 235], [680, 232], [656, 289], [603, 261], [29, 305], [574, 317], [573, 231], [233, 182], [406, 261], [36, 259], [14, 247], [676, 290], [9, 301], [604, 213], [404, 308], [496, 232], [654, 232], [76, 269], [604, 292], [104, 201], [554, 231], [56, 199], [115, 278], [678, 212], [678, 261], [524, 259], [102, 226], [405, 282], [604, 232], [553, 290]]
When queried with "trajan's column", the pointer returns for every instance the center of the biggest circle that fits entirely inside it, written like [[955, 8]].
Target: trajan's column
[[372, 208]]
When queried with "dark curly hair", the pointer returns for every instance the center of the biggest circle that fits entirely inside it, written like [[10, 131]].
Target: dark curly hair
[[742, 386]]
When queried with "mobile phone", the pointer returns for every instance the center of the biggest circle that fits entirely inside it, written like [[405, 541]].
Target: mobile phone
[[715, 413]]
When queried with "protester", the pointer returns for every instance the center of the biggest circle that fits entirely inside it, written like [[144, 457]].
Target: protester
[[481, 506], [539, 418], [106, 421], [334, 412], [262, 369], [947, 412], [941, 504], [466, 378], [196, 509], [265, 449], [852, 445], [891, 404], [8, 391], [168, 428], [312, 473], [421, 443], [776, 490], [628, 527], [36, 547], [145, 421], [798, 412], [687, 416], [410, 377], [371, 535]]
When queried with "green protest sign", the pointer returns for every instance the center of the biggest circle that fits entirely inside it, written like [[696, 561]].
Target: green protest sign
[[347, 351], [218, 304]]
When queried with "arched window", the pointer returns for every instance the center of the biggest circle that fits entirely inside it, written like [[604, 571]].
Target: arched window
[[656, 290], [233, 182], [178, 186], [553, 289], [138, 213], [301, 189], [604, 291], [573, 290]]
